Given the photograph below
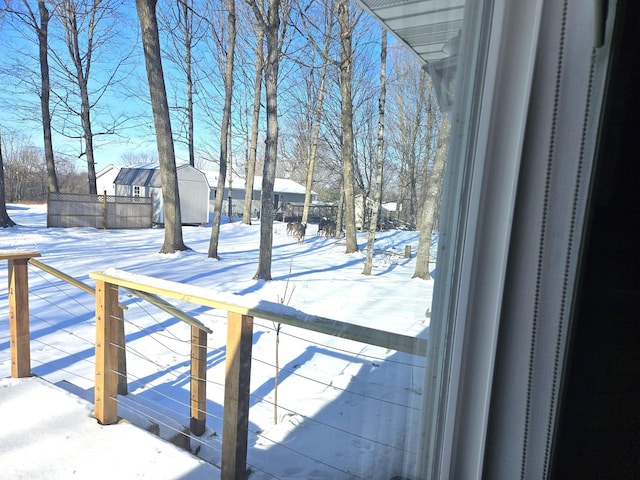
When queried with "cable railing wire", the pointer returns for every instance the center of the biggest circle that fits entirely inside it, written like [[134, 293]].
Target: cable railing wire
[[152, 336], [41, 319], [337, 349], [181, 375], [46, 279], [327, 425], [65, 370], [149, 387], [160, 422], [333, 427]]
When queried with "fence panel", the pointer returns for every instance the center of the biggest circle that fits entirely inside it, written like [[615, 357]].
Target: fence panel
[[65, 210]]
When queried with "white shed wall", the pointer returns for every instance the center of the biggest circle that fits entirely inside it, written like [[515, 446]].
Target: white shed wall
[[194, 195], [105, 178]]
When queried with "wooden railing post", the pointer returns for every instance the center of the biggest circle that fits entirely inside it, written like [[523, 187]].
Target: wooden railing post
[[19, 313], [235, 423], [106, 388], [198, 381]]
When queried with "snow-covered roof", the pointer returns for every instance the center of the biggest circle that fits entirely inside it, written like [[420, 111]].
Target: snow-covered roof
[[108, 168], [281, 185], [148, 174], [212, 178]]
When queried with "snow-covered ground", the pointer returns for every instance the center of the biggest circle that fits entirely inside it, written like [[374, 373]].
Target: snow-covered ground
[[48, 433], [344, 409]]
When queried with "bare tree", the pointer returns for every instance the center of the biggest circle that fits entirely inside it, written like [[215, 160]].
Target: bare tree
[[39, 23], [184, 27], [5, 220], [166, 154], [25, 173], [347, 25], [433, 185], [411, 133], [317, 117], [368, 265], [255, 119], [224, 130], [270, 24], [89, 26]]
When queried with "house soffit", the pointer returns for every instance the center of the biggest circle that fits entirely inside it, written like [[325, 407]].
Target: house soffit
[[427, 27]]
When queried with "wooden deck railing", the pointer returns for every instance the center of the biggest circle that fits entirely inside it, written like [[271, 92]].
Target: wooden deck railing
[[240, 315], [110, 345], [19, 312]]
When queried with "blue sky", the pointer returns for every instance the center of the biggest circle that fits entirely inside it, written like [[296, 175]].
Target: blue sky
[[129, 98]]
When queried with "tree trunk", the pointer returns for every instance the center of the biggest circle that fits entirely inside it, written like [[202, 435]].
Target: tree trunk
[[340, 212], [346, 56], [82, 64], [432, 198], [314, 142], [224, 132], [43, 48], [255, 119], [88, 133], [188, 61], [270, 25], [270, 158], [5, 220], [377, 195], [166, 154]]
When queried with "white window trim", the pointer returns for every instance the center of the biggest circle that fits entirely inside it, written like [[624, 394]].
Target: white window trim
[[476, 236]]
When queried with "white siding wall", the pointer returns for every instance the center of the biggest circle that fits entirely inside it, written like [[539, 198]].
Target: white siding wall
[[194, 195]]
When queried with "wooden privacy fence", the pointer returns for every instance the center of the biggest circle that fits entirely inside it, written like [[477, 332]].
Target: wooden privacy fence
[[110, 345], [98, 211]]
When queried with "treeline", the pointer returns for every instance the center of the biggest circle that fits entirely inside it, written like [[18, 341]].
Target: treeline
[[25, 173]]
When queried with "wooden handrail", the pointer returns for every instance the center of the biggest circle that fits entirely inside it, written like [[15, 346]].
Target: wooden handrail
[[170, 309], [67, 278], [19, 314], [263, 309]]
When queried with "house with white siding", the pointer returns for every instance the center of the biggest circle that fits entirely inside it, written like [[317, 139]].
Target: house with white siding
[[285, 191]]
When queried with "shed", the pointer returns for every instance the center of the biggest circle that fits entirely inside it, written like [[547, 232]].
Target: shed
[[144, 181]]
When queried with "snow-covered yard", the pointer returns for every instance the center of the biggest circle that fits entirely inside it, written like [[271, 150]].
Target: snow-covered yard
[[344, 409]]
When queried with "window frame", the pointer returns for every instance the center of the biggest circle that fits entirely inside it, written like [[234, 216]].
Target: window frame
[[491, 95], [485, 204]]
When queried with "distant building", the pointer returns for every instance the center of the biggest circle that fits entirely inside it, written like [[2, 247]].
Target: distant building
[[363, 215], [285, 191], [105, 179], [197, 190]]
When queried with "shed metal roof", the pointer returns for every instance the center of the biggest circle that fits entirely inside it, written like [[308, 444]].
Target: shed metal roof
[[140, 177], [143, 174]]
